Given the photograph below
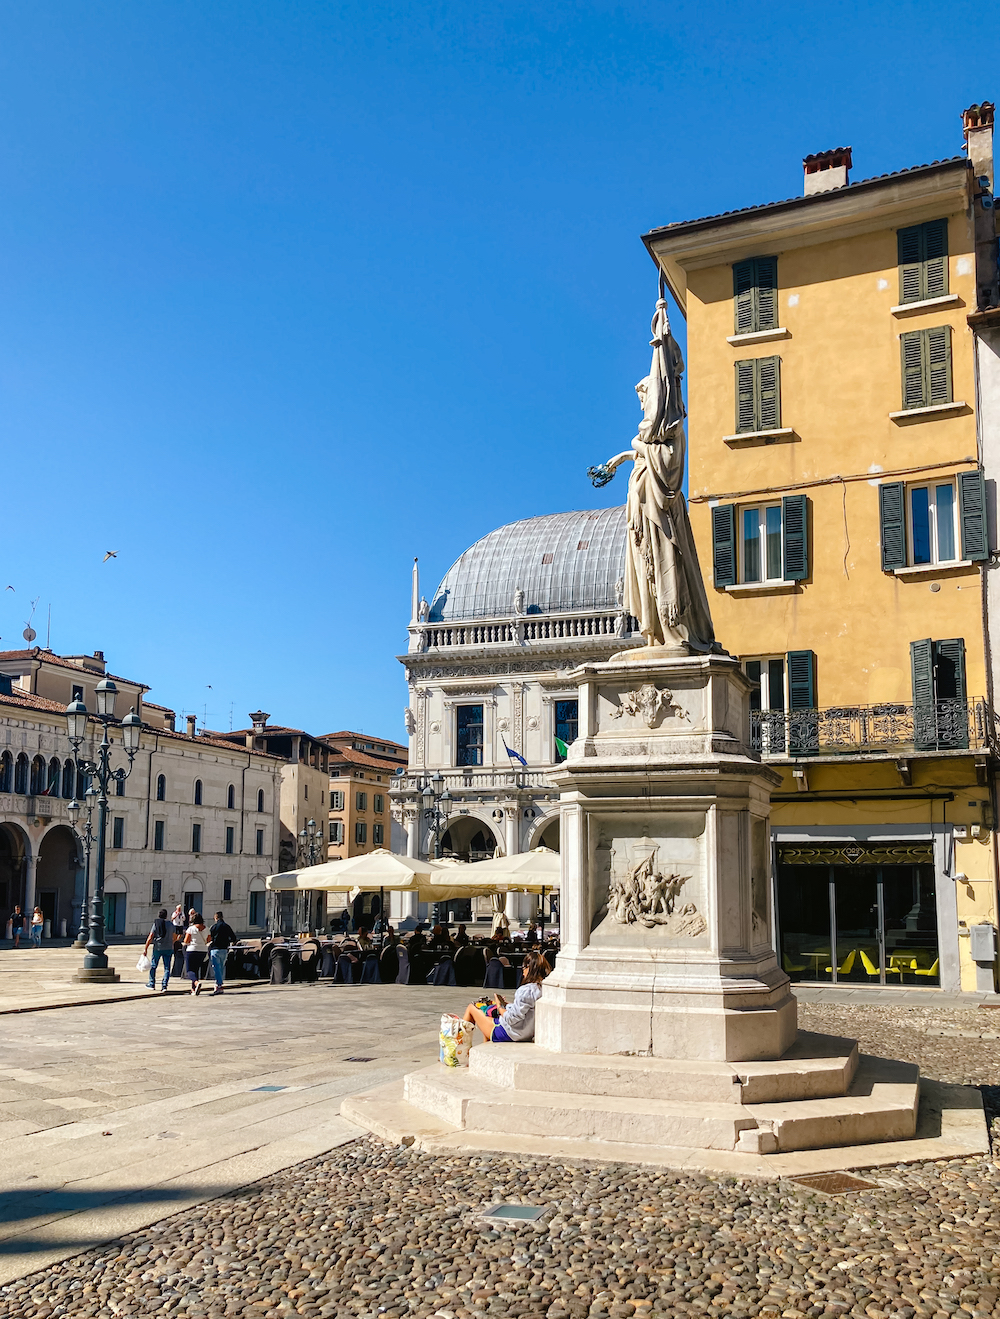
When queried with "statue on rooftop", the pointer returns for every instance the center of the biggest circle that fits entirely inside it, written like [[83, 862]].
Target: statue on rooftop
[[664, 588]]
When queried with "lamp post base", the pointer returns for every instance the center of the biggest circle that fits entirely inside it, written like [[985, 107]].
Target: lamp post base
[[80, 943], [102, 975]]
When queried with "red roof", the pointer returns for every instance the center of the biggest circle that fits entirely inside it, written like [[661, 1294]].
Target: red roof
[[353, 757], [37, 652]]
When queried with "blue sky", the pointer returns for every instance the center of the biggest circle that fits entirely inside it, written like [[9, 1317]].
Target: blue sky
[[290, 293]]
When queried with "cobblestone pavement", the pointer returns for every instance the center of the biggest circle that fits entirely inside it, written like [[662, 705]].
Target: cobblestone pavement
[[369, 1231]]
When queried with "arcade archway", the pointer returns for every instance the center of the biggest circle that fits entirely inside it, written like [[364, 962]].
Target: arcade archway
[[13, 868], [469, 839], [55, 878]]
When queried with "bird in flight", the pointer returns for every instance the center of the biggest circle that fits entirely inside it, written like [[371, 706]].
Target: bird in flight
[[10, 588], [111, 554]]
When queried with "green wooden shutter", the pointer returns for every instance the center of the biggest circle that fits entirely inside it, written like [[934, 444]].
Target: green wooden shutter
[[743, 296], [922, 677], [972, 515], [745, 411], [909, 249], [767, 293], [795, 539], [914, 376], [724, 545], [892, 524], [768, 401], [938, 357], [934, 283], [801, 680], [953, 652]]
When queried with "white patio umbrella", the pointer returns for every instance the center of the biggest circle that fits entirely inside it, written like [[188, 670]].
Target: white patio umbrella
[[380, 870]]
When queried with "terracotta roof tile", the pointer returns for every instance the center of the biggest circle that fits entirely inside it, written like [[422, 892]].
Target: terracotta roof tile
[[353, 757], [37, 652]]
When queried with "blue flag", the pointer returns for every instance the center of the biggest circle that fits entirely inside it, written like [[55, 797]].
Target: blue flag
[[515, 755]]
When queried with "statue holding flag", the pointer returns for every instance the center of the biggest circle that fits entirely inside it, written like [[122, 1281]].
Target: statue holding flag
[[664, 589]]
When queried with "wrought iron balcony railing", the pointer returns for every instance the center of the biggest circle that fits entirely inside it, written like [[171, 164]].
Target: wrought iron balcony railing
[[889, 729]]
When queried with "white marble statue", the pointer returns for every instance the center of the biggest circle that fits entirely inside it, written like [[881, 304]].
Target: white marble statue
[[664, 588]]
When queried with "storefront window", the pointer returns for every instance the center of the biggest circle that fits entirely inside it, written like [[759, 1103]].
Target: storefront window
[[858, 915]]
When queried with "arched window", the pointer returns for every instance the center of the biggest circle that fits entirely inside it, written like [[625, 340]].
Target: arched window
[[197, 792], [38, 775], [161, 787], [55, 777], [21, 774], [68, 779], [6, 772], [260, 799], [231, 797]]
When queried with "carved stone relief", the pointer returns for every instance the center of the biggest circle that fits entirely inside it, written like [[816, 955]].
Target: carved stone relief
[[640, 892], [517, 694], [648, 704]]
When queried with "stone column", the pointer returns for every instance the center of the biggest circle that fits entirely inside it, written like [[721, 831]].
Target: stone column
[[665, 902], [31, 866]]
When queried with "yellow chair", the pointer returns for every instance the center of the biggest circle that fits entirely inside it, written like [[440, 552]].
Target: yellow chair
[[848, 963], [928, 971], [870, 967], [792, 967]]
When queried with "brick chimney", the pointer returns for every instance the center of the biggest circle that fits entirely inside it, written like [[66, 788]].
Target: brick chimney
[[826, 170], [258, 718], [192, 721], [977, 124]]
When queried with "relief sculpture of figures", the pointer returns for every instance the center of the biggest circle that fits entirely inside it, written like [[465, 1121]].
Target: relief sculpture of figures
[[643, 896], [664, 588]]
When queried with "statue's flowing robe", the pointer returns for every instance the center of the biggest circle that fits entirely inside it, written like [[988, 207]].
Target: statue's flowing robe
[[664, 588]]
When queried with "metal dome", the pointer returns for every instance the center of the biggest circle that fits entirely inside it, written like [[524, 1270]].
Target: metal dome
[[562, 562]]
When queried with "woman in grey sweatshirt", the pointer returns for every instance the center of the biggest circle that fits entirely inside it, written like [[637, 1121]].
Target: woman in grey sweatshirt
[[512, 1023]]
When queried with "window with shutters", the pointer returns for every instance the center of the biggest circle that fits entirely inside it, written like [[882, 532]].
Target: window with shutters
[[378, 834], [940, 709], [933, 522], [336, 831], [755, 294], [361, 801], [758, 394], [761, 543], [923, 261], [360, 832], [926, 367], [768, 695], [378, 803], [336, 801]]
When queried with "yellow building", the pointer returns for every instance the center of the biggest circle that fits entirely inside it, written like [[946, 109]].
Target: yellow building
[[838, 503]]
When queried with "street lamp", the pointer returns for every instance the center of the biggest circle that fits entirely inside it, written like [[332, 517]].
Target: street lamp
[[437, 802], [311, 842], [86, 836], [95, 964]]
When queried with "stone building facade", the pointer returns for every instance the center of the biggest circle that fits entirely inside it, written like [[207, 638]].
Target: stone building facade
[[486, 670], [197, 821]]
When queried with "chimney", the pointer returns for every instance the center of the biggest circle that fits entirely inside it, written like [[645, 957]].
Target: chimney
[[258, 718], [168, 721], [192, 724], [826, 170], [977, 124]]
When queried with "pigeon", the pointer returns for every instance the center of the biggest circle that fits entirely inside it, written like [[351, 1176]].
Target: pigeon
[[111, 554]]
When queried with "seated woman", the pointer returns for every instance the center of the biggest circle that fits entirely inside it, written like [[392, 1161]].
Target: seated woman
[[513, 1023]]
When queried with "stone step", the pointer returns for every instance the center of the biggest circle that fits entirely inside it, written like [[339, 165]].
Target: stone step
[[880, 1105], [818, 1066], [473, 1104]]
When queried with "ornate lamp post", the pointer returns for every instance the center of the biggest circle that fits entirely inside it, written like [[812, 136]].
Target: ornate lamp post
[[95, 964], [86, 837], [437, 801], [311, 843]]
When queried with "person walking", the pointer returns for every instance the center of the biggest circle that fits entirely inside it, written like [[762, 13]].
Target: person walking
[[16, 926], [37, 925], [161, 939], [222, 938], [195, 952]]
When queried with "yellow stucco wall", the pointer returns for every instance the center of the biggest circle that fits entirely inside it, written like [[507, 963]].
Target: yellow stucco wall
[[840, 380]]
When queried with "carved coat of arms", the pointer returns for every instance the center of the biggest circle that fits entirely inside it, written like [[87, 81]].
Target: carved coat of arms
[[647, 703]]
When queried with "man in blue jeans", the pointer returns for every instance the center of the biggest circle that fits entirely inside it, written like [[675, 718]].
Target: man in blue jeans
[[161, 939], [222, 939]]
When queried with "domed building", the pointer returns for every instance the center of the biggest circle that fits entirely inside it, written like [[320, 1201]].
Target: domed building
[[486, 667]]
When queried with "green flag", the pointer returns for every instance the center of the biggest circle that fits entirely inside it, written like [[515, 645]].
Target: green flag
[[561, 748]]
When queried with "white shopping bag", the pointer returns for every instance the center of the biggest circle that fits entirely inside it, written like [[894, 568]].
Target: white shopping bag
[[143, 963], [456, 1040]]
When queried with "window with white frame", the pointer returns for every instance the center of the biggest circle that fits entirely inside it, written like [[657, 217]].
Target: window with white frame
[[768, 676], [932, 531], [760, 544]]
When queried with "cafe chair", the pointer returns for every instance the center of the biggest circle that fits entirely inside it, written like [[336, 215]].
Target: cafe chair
[[793, 968], [403, 974], [345, 970], [847, 965], [929, 970], [281, 965], [871, 969], [470, 966], [494, 974], [328, 964], [388, 965], [369, 970], [443, 973]]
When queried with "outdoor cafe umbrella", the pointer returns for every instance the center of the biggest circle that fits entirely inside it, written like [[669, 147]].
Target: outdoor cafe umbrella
[[380, 869], [536, 871]]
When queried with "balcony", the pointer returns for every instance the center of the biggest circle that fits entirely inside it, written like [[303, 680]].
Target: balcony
[[477, 780], [872, 730]]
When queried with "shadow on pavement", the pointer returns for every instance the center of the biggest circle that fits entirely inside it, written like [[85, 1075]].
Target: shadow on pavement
[[22, 1206]]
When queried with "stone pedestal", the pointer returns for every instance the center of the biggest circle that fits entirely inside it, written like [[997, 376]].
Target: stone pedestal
[[101, 975], [665, 905]]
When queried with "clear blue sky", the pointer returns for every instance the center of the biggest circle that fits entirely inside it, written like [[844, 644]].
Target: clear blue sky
[[290, 293]]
